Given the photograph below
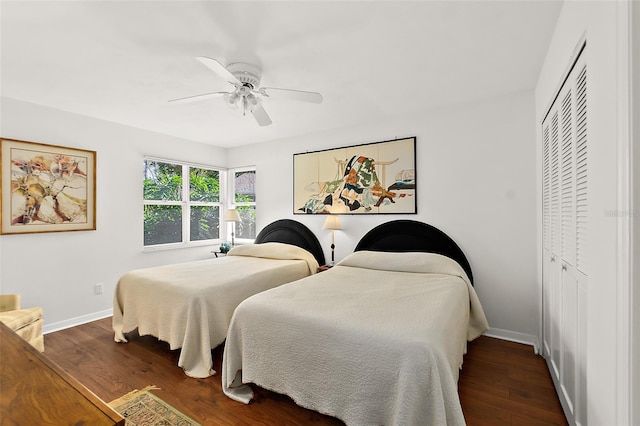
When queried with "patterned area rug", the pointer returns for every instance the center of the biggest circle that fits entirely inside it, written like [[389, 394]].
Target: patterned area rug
[[142, 408]]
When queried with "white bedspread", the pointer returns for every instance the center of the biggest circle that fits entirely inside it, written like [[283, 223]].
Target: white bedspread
[[377, 340], [189, 305]]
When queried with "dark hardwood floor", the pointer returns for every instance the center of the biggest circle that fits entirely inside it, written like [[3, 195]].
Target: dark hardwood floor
[[501, 383]]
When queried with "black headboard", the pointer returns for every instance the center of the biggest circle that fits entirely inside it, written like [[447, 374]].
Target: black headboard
[[292, 232], [411, 235]]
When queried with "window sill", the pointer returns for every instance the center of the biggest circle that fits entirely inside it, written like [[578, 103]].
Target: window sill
[[178, 246]]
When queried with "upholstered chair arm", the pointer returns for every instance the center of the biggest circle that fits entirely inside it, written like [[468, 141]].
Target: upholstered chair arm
[[9, 302]]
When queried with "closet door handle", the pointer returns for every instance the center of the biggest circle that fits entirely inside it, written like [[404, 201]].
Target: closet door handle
[[564, 267], [553, 258]]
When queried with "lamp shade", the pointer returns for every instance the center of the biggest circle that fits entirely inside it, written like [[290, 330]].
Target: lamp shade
[[232, 216], [332, 222]]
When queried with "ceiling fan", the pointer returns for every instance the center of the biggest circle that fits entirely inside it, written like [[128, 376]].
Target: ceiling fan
[[247, 93]]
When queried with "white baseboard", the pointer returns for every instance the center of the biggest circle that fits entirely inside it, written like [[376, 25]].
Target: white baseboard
[[514, 336], [61, 325]]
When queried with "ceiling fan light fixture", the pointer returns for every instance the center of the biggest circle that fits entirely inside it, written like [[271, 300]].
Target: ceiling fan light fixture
[[252, 101], [244, 102], [247, 93], [231, 99]]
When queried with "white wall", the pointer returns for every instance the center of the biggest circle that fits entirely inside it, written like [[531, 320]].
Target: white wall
[[635, 321], [58, 270], [599, 22], [476, 181]]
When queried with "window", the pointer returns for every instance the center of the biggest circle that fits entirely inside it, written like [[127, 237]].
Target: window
[[244, 201], [182, 203]]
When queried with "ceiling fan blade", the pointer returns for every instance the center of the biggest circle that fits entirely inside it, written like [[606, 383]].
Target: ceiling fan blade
[[294, 95], [219, 69], [261, 116], [199, 97]]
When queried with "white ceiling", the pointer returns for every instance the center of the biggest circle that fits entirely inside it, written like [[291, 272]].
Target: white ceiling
[[122, 61]]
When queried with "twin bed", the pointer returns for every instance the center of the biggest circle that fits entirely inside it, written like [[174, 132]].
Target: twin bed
[[189, 305], [377, 339]]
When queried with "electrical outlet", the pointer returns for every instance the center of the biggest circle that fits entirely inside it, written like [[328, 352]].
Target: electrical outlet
[[99, 288]]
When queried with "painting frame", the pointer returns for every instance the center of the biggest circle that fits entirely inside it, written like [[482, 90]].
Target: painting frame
[[46, 188], [356, 179]]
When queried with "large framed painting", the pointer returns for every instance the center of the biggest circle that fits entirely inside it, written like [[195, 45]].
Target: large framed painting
[[46, 188], [373, 178]]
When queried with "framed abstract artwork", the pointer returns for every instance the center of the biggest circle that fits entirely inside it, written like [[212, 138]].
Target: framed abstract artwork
[[46, 188], [373, 178]]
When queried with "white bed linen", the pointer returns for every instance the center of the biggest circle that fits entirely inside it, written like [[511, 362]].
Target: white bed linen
[[376, 340], [189, 305]]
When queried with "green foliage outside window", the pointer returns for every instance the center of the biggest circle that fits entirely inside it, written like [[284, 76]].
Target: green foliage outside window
[[162, 181], [204, 185], [246, 228], [162, 224], [204, 223], [245, 203], [163, 215]]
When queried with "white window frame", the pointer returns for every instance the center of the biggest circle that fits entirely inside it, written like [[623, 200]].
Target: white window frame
[[186, 205]]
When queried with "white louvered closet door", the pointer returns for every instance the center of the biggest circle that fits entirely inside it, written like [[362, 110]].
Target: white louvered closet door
[[564, 233]]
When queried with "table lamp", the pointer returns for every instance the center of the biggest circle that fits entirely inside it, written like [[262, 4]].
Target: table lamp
[[332, 222], [233, 217]]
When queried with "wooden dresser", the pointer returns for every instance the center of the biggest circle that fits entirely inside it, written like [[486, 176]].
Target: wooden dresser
[[35, 391]]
